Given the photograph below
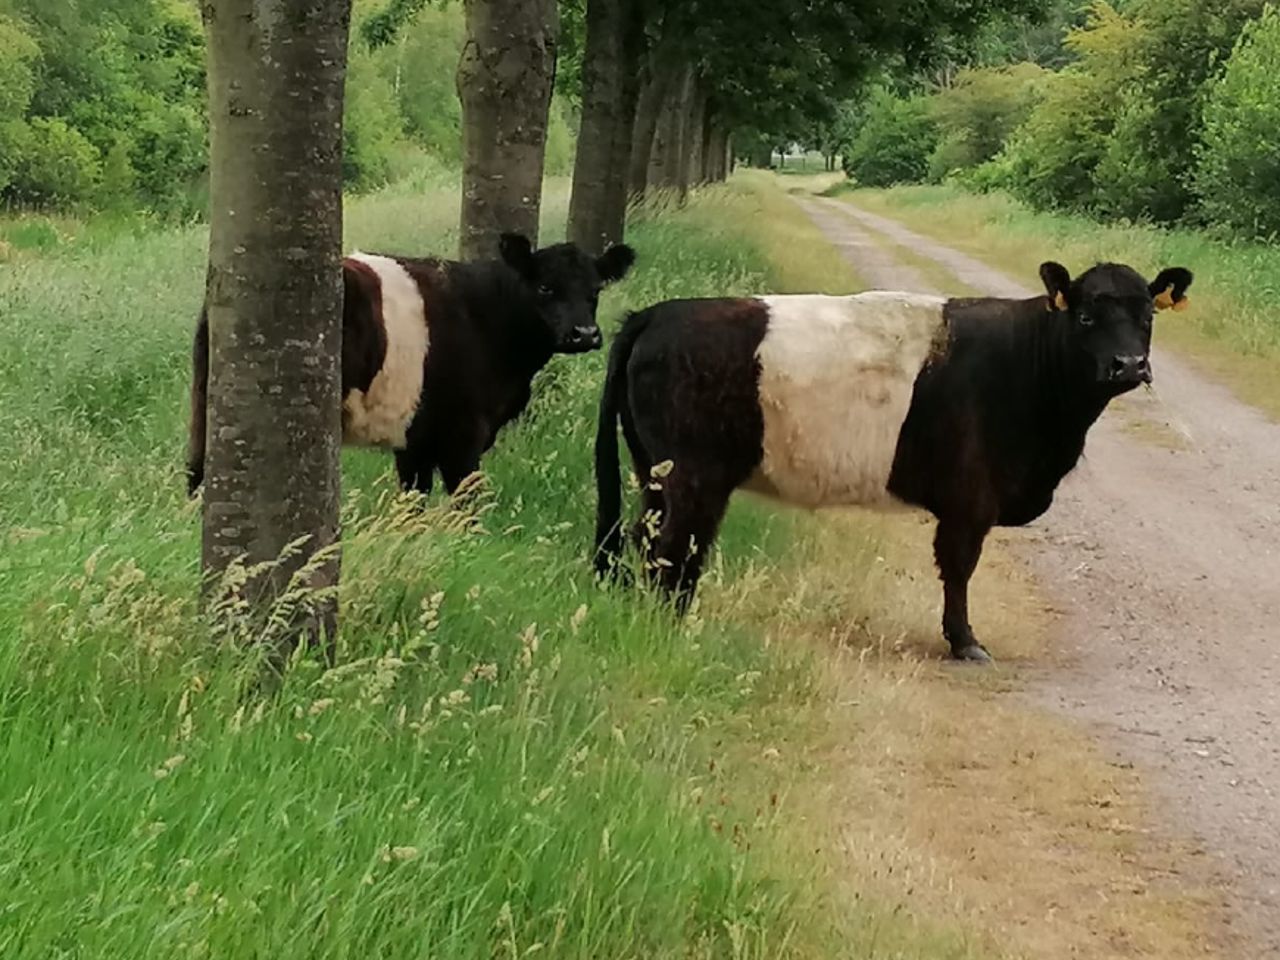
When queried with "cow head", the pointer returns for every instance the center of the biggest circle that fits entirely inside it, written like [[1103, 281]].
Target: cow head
[[1109, 309], [565, 283]]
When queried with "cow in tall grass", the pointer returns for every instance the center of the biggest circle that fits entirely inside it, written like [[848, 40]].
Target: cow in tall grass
[[438, 355], [972, 409]]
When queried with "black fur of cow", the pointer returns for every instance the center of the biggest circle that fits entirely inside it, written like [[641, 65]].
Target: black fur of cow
[[972, 409], [437, 355]]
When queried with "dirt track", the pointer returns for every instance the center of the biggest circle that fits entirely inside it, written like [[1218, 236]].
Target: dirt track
[[1162, 553]]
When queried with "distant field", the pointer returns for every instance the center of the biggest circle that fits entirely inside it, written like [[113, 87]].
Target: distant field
[[1233, 327], [509, 762]]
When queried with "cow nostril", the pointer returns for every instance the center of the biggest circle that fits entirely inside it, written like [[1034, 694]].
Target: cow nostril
[[1129, 366]]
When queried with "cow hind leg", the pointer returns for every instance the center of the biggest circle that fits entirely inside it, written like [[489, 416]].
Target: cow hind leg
[[694, 503], [957, 546]]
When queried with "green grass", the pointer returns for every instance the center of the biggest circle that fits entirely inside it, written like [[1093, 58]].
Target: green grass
[[509, 761], [1232, 329]]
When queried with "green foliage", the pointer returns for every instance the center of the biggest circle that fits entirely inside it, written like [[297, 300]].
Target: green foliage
[[421, 66], [893, 142], [137, 100], [977, 114], [1148, 170], [55, 164], [1054, 156], [372, 125], [1238, 174], [1121, 130]]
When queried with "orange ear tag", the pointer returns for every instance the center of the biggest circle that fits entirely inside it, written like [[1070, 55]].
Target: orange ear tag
[[1165, 300], [1060, 301], [1182, 304]]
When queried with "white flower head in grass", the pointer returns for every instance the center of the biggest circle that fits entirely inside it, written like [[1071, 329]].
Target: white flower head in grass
[[528, 645], [392, 854], [167, 768]]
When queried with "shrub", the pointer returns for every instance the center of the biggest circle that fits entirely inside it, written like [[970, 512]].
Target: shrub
[[373, 128], [893, 142], [56, 164], [976, 116], [1055, 155], [1238, 175]]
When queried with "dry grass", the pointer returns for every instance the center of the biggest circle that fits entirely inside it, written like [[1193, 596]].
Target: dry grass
[[936, 792]]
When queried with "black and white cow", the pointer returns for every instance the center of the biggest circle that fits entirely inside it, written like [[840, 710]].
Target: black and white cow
[[438, 355], [972, 409]]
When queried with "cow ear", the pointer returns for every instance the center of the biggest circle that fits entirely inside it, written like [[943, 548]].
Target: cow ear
[[1057, 282], [1169, 289], [517, 253], [614, 263]]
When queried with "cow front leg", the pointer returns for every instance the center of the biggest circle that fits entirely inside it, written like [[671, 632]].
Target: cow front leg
[[461, 457], [415, 468], [957, 545]]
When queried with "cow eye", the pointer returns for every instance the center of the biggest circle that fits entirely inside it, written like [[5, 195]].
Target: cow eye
[[1086, 320], [545, 291]]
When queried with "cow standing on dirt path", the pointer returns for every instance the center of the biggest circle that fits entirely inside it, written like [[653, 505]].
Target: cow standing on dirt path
[[972, 409], [438, 355]]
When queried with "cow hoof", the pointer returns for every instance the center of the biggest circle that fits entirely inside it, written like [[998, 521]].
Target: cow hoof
[[974, 653]]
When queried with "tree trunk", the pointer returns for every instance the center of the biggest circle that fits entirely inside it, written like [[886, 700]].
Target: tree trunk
[[505, 78], [274, 294], [659, 69], [667, 158], [694, 139], [609, 85], [618, 190], [648, 109], [706, 167]]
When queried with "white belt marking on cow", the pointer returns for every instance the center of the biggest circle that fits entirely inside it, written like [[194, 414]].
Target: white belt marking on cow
[[381, 415], [836, 380]]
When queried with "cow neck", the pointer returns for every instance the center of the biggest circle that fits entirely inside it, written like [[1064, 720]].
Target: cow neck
[[1064, 404], [503, 305]]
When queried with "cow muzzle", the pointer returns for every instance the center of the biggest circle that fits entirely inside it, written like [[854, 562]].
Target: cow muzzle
[[1129, 369], [582, 340]]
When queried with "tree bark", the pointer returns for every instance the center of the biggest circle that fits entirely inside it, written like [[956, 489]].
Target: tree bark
[[276, 73], [618, 191], [694, 138], [609, 89], [504, 79], [719, 148], [705, 166], [666, 160], [660, 66]]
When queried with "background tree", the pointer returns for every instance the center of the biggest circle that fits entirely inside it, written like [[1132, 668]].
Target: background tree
[[276, 76], [610, 85], [505, 79], [1239, 167]]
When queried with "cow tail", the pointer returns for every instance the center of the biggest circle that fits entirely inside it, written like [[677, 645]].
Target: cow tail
[[609, 537], [199, 405]]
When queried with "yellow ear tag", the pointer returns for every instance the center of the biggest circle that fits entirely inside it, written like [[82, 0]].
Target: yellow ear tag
[[1060, 301], [1165, 300]]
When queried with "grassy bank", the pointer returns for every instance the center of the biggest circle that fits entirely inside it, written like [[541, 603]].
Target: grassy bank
[[510, 761], [1231, 330]]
